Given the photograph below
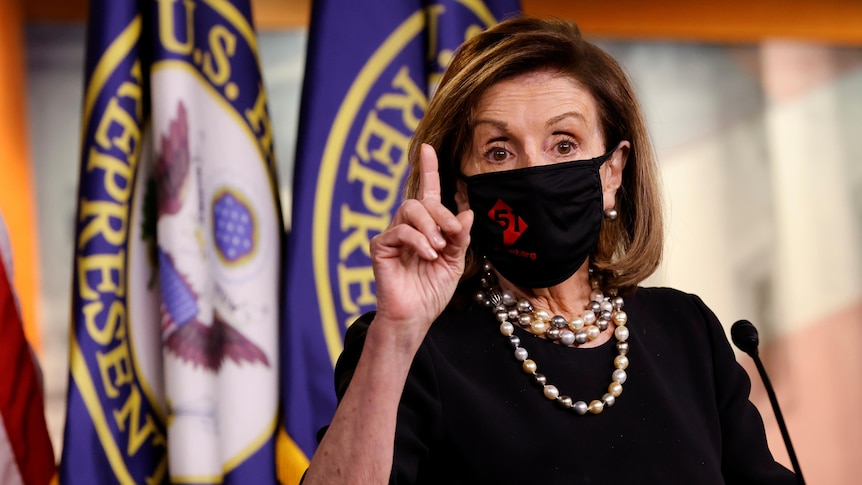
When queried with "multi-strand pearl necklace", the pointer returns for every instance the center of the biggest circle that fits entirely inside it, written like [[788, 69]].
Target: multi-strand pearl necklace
[[600, 312]]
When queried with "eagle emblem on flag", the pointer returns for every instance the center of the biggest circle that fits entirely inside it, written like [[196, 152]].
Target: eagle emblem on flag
[[184, 332]]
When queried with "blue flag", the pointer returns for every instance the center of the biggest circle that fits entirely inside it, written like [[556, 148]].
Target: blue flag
[[370, 69], [174, 354]]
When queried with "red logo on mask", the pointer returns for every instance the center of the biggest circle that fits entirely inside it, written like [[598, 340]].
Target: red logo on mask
[[513, 226]]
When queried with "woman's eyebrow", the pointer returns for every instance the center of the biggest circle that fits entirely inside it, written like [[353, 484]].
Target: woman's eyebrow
[[568, 114]]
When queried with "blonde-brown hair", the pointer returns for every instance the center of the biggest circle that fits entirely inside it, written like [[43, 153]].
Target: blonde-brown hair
[[629, 248]]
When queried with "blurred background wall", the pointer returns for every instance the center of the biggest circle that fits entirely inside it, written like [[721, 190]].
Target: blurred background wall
[[756, 111]]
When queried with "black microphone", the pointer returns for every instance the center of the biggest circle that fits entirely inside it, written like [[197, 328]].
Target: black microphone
[[744, 336]]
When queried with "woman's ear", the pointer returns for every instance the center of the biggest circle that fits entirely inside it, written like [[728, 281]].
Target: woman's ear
[[612, 174], [461, 199]]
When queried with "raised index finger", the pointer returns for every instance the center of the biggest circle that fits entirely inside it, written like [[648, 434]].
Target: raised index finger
[[429, 177]]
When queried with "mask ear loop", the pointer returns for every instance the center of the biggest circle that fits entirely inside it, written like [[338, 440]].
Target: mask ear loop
[[601, 159]]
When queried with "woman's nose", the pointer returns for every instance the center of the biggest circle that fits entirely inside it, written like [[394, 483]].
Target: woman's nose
[[533, 157]]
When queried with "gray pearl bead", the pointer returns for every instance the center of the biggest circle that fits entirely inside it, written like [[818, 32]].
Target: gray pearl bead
[[580, 407], [567, 337], [608, 399], [515, 340], [595, 306], [513, 314], [502, 316], [559, 321], [602, 324], [581, 337], [605, 315], [541, 379], [553, 333], [623, 348], [525, 319], [565, 401], [509, 298], [524, 306], [618, 302], [521, 354]]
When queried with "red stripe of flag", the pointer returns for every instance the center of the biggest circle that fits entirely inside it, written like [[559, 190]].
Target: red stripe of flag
[[21, 403]]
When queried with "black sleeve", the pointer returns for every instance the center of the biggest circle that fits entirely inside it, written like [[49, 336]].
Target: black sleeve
[[354, 340], [746, 458]]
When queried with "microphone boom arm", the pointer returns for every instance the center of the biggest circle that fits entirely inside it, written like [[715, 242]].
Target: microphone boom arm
[[744, 335]]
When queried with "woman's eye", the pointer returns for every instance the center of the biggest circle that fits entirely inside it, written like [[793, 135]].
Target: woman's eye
[[565, 147], [498, 154]]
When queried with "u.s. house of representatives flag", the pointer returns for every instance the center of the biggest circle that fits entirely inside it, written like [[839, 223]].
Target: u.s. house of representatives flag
[[174, 344], [370, 68]]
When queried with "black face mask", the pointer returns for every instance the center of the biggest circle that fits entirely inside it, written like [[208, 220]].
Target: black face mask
[[537, 225]]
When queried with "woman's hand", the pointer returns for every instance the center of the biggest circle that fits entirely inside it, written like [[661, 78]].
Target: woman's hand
[[419, 259]]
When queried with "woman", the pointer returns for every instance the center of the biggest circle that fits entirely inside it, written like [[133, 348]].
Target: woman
[[501, 346]]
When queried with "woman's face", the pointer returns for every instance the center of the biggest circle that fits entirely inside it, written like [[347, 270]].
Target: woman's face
[[538, 118]]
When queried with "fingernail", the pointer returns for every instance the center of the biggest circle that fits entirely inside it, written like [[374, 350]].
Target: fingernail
[[432, 253], [438, 241]]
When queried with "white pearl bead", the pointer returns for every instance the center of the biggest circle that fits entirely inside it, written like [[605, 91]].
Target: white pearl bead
[[607, 306], [577, 323], [621, 362], [507, 328], [538, 327], [551, 392], [521, 353], [597, 295], [589, 317], [543, 315], [593, 332], [620, 376], [621, 333]]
